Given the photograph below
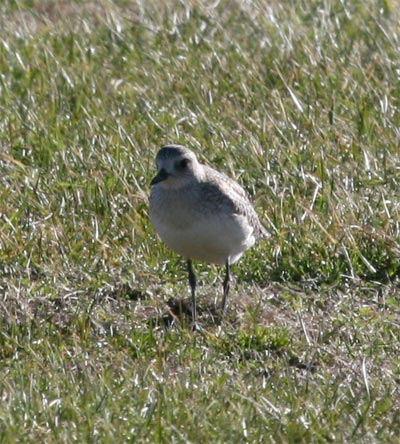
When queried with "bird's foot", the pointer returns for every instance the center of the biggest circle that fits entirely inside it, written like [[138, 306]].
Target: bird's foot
[[196, 327]]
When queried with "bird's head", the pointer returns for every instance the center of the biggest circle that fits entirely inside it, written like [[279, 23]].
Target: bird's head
[[177, 166]]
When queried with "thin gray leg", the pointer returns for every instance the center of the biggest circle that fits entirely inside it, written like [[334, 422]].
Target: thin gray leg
[[192, 282], [226, 286]]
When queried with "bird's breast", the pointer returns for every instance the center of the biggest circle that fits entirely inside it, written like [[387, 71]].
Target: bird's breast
[[198, 233]]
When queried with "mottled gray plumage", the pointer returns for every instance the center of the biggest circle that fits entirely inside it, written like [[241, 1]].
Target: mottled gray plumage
[[219, 189]]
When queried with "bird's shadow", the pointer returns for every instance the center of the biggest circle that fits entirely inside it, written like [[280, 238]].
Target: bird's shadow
[[180, 313]]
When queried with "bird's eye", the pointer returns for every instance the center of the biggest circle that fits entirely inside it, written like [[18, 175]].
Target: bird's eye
[[183, 164]]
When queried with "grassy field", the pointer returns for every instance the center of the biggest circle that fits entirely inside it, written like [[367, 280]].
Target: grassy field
[[297, 100]]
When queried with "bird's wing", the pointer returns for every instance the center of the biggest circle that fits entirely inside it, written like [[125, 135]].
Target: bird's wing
[[222, 190]]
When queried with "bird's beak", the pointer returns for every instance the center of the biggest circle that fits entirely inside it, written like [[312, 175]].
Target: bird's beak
[[162, 175]]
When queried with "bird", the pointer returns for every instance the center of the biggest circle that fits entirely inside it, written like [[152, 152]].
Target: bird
[[201, 214]]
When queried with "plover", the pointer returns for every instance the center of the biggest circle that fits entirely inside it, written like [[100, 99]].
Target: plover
[[201, 214]]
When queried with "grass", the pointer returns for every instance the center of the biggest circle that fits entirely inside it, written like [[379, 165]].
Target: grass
[[299, 101]]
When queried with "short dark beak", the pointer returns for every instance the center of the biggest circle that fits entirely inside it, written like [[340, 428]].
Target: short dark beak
[[162, 175]]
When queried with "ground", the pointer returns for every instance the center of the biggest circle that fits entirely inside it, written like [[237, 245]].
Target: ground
[[299, 102]]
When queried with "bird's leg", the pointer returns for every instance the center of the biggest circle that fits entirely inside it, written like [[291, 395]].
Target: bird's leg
[[226, 286], [192, 282]]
